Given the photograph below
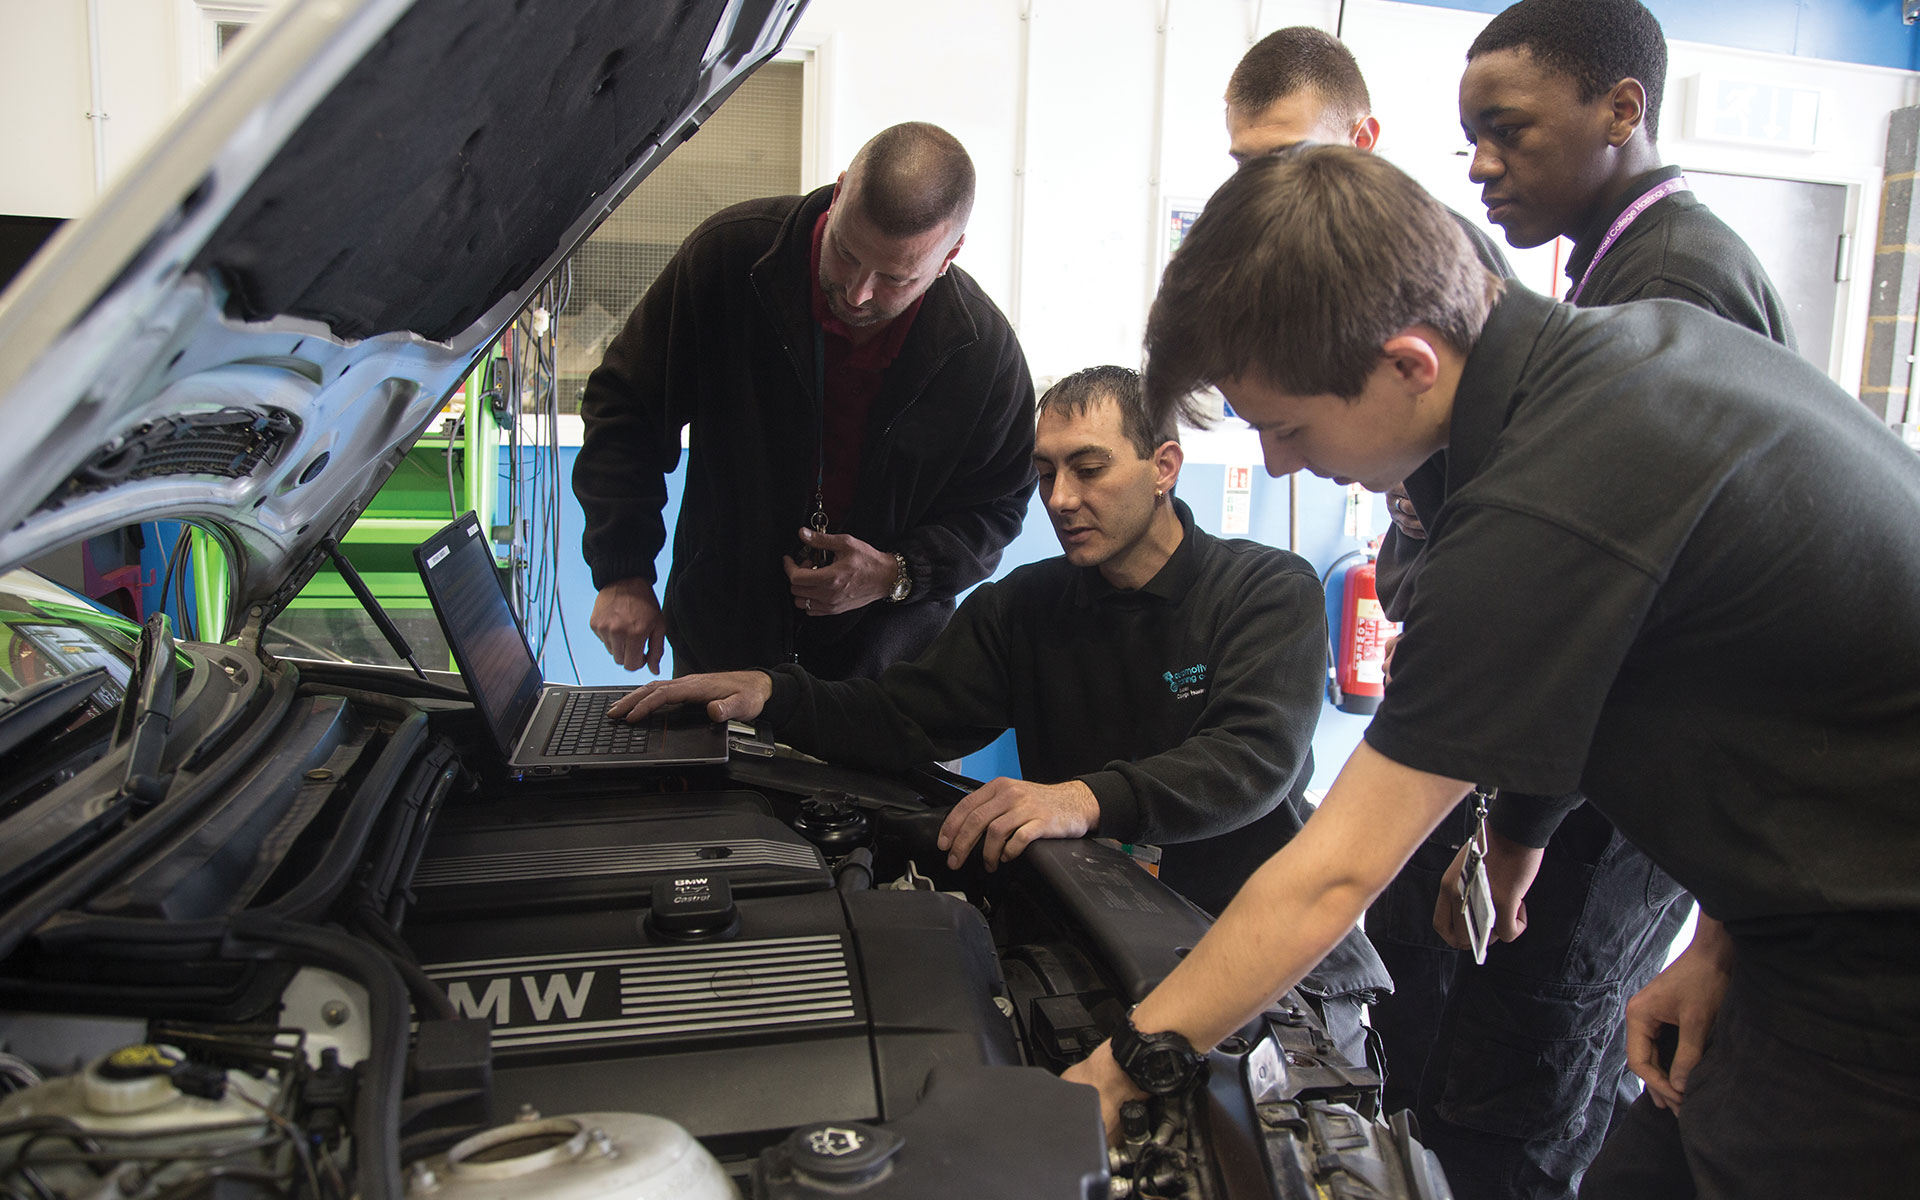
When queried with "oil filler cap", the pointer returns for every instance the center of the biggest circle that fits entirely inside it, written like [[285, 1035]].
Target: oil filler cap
[[694, 907], [841, 1153]]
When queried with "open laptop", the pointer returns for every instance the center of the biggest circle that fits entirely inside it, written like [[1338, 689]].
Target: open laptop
[[540, 727]]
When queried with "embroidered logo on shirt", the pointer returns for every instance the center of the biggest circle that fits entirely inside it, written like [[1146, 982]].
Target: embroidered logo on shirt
[[1187, 682]]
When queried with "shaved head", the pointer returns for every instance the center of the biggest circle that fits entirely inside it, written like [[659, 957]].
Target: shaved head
[[910, 179]]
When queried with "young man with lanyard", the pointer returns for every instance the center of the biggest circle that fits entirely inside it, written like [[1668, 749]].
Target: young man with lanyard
[[1516, 1069], [861, 426], [1643, 580], [1164, 684]]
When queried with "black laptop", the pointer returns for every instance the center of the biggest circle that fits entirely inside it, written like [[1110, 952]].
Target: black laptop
[[539, 725]]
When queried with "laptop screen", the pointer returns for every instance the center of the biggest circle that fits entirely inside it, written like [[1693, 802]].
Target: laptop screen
[[457, 567]]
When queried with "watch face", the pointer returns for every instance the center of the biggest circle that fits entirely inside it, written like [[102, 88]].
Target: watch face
[[1156, 1066], [1161, 1069]]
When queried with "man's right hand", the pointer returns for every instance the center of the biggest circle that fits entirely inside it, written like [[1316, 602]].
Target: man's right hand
[[1687, 995], [728, 695], [628, 619], [1510, 871], [1400, 509]]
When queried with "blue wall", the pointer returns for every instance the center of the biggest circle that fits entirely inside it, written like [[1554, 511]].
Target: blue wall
[[1869, 32]]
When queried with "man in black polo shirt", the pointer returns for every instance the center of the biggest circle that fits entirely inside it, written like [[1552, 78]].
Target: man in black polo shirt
[[1163, 684], [1561, 101], [1516, 1069], [1693, 611]]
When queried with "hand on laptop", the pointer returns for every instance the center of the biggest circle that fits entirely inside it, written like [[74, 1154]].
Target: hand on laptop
[[728, 695]]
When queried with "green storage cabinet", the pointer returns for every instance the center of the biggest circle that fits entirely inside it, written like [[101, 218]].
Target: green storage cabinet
[[412, 504]]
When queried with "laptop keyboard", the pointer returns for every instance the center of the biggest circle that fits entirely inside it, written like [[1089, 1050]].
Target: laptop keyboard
[[583, 729]]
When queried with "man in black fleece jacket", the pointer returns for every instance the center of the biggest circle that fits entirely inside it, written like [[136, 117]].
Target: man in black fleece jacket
[[1163, 683], [853, 399]]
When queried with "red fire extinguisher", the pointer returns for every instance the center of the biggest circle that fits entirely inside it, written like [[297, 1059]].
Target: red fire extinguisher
[[1357, 633]]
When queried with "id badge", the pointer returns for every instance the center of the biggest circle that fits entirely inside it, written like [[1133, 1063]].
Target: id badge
[[1476, 894]]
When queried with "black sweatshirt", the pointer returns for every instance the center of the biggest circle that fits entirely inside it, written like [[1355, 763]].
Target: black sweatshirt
[[723, 342], [1706, 552], [1187, 706]]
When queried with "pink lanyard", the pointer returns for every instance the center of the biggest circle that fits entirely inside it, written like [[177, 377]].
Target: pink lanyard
[[1659, 191]]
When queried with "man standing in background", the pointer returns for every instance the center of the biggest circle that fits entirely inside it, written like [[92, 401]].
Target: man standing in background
[[1301, 84], [861, 428]]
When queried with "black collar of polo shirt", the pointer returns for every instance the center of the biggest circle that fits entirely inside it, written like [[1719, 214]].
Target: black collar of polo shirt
[[1170, 583], [1588, 242], [1485, 397]]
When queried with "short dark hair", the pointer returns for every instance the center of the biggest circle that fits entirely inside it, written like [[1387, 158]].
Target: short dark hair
[[1596, 43], [1300, 268], [911, 178], [1077, 393], [1289, 60]]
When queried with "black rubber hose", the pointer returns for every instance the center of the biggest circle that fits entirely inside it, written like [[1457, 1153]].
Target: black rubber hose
[[376, 1110], [428, 1000], [855, 872]]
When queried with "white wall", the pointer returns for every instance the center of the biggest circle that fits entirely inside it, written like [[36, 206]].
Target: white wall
[[1119, 109], [152, 55], [1083, 116]]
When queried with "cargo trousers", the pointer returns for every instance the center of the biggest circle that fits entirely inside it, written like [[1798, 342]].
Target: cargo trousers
[[1516, 1069]]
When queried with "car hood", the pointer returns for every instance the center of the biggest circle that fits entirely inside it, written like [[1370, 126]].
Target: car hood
[[253, 325]]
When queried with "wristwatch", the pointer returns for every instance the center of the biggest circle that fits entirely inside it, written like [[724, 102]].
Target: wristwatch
[[1161, 1063], [902, 583]]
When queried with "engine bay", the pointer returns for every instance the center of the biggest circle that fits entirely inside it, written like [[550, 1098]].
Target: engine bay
[[364, 960]]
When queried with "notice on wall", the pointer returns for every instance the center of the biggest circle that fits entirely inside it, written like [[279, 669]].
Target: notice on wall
[[1181, 214], [1359, 523], [1236, 506]]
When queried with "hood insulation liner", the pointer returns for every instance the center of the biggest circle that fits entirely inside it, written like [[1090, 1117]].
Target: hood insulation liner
[[446, 167]]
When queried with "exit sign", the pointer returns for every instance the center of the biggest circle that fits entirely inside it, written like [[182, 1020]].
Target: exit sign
[[1748, 112]]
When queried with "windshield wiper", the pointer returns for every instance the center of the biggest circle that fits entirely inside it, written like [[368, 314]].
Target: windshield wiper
[[31, 710], [146, 715]]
